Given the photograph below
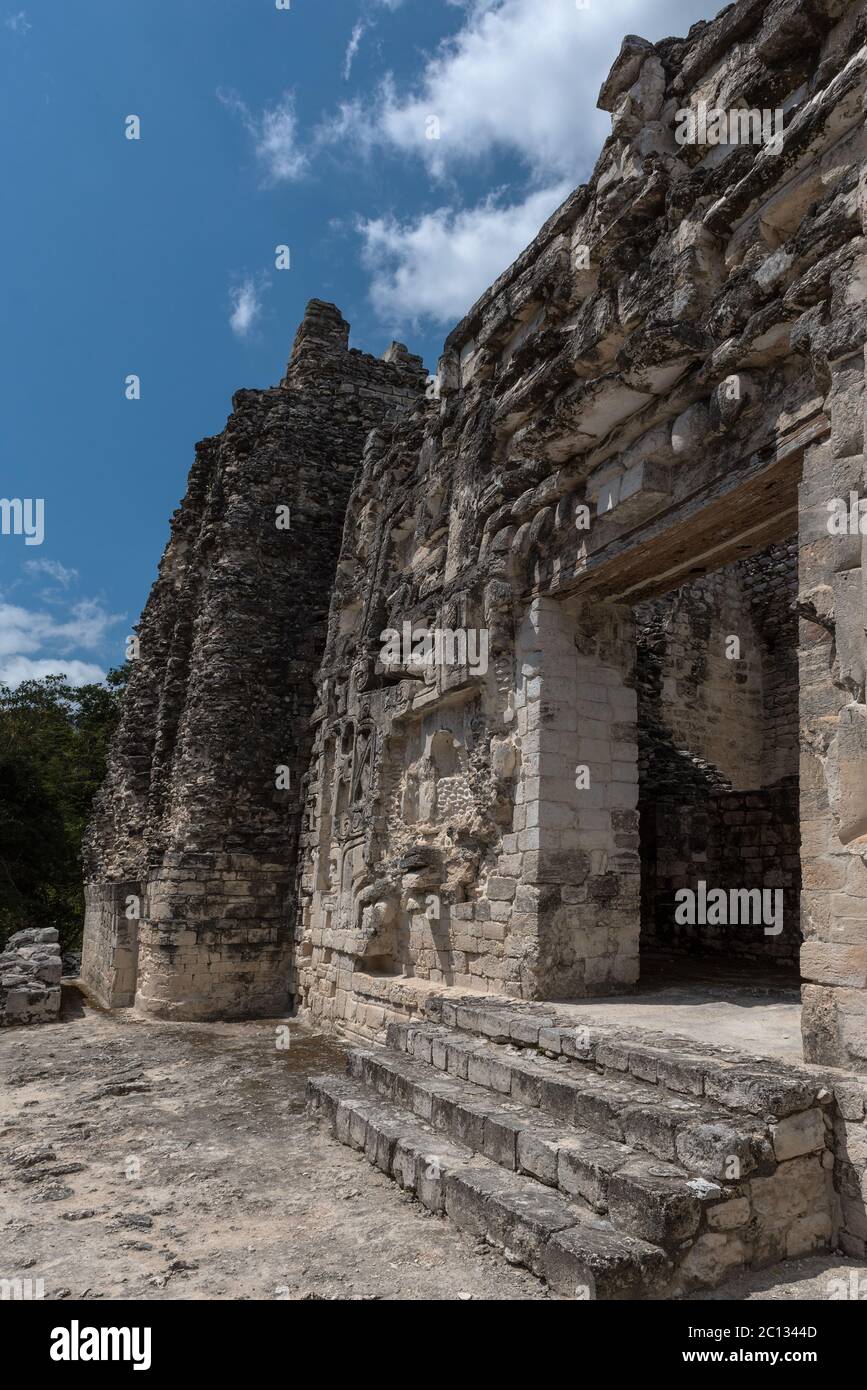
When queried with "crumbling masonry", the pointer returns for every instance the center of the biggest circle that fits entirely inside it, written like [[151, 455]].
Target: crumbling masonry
[[192, 851], [630, 455]]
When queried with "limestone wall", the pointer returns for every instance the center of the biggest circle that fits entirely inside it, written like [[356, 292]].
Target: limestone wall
[[30, 971], [191, 854], [730, 840], [634, 404], [698, 702], [628, 408]]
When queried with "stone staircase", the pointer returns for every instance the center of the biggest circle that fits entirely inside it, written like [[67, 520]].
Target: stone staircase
[[610, 1163]]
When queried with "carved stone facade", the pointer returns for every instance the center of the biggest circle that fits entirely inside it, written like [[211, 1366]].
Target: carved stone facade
[[644, 421], [678, 355]]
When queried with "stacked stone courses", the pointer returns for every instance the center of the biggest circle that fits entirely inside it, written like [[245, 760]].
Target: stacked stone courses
[[679, 389], [667, 383], [191, 834], [30, 971], [628, 453]]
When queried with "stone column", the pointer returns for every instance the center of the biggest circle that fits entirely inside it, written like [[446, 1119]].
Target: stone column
[[109, 964], [833, 700], [577, 797], [119, 839]]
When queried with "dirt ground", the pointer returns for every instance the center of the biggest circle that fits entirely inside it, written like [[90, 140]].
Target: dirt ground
[[157, 1160]]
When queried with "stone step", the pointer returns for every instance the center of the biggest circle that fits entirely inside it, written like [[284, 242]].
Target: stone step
[[708, 1139], [658, 1202], [685, 1068], [580, 1255], [707, 1229]]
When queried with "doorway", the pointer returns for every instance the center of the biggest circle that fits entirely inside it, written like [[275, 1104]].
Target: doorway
[[717, 686]]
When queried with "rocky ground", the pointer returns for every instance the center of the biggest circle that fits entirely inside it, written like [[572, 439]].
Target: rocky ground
[[156, 1160]]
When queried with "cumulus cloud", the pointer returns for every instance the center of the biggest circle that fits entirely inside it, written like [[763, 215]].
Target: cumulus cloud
[[518, 77], [27, 630], [507, 80], [16, 669], [274, 133], [246, 304], [436, 266], [34, 644]]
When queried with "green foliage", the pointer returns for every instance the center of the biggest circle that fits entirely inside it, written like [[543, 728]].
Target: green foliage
[[54, 739]]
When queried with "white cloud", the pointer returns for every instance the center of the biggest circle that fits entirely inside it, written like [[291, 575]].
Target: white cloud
[[246, 308], [435, 267], [19, 23], [358, 32], [16, 669], [368, 21], [519, 76], [27, 630], [506, 81], [35, 644], [352, 123], [53, 569], [274, 132]]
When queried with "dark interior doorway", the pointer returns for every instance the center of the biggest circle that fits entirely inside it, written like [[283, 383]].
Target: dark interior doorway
[[717, 679]]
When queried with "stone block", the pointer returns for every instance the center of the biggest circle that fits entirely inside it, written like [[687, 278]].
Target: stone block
[[825, 963], [846, 773], [798, 1134]]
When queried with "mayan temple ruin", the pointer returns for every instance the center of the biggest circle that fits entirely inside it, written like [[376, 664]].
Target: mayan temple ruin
[[460, 698]]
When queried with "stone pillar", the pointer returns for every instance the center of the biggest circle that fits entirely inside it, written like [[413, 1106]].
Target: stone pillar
[[833, 661], [577, 797], [109, 960], [115, 849]]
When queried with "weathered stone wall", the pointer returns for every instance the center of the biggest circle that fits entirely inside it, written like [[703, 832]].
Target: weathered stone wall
[[191, 853], [110, 954], [731, 840], [849, 1139], [770, 581], [699, 706], [629, 407], [633, 405], [30, 971]]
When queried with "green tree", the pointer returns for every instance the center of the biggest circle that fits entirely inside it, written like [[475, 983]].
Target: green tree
[[54, 739]]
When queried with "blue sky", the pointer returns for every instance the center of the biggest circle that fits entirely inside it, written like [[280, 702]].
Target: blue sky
[[308, 127]]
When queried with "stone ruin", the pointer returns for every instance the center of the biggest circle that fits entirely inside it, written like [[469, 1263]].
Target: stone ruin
[[451, 687], [192, 851], [30, 970]]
